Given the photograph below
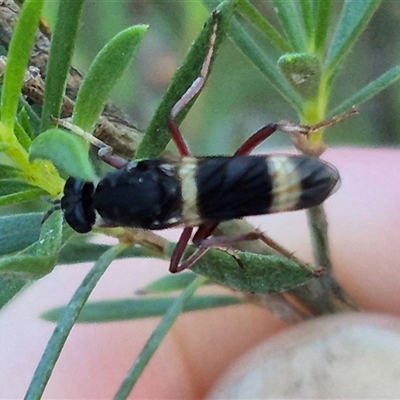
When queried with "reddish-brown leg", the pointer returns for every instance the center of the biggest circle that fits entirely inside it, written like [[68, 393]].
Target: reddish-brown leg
[[194, 89], [104, 150], [255, 139], [174, 265], [192, 92]]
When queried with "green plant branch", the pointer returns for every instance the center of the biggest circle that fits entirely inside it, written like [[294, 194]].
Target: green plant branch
[[156, 338], [62, 48], [66, 322], [309, 22], [264, 26], [292, 24]]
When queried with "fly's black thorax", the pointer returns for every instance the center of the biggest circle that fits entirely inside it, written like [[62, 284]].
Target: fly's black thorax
[[146, 194]]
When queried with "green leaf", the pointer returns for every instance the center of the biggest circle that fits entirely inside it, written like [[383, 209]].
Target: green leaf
[[61, 52], [6, 172], [31, 119], [4, 146], [10, 286], [39, 258], [104, 72], [156, 338], [169, 283], [67, 320], [289, 16], [17, 60], [67, 151], [323, 14], [15, 191], [25, 121], [130, 309], [264, 63], [369, 91], [157, 136], [303, 71], [308, 17], [354, 18], [250, 273], [22, 137], [79, 250], [264, 26], [19, 231]]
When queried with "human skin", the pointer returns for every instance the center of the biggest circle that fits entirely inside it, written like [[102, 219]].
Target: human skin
[[365, 242]]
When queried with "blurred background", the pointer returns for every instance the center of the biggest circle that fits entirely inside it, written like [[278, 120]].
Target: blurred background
[[237, 100]]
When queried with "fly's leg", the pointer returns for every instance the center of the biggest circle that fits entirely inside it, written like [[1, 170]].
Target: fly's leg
[[104, 150], [176, 265], [193, 91], [299, 131]]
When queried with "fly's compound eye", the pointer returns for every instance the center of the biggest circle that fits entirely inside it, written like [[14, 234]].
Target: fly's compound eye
[[77, 205]]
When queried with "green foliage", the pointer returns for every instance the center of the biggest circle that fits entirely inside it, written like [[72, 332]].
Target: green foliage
[[18, 56], [252, 273], [130, 309], [67, 321], [62, 50], [104, 72], [312, 48], [67, 152], [314, 61]]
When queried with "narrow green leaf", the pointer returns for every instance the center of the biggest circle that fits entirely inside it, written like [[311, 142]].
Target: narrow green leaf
[[157, 135], [308, 17], [354, 18], [104, 72], [323, 13], [169, 283], [39, 258], [6, 172], [51, 235], [66, 322], [370, 90], [260, 59], [26, 267], [3, 145], [289, 16], [19, 231], [10, 286], [265, 64], [156, 338], [130, 309], [22, 137], [25, 121], [33, 119], [79, 250], [67, 151], [258, 20], [62, 48], [250, 273], [17, 60], [16, 191]]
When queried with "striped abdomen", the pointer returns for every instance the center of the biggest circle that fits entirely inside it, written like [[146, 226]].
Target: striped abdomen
[[223, 188]]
